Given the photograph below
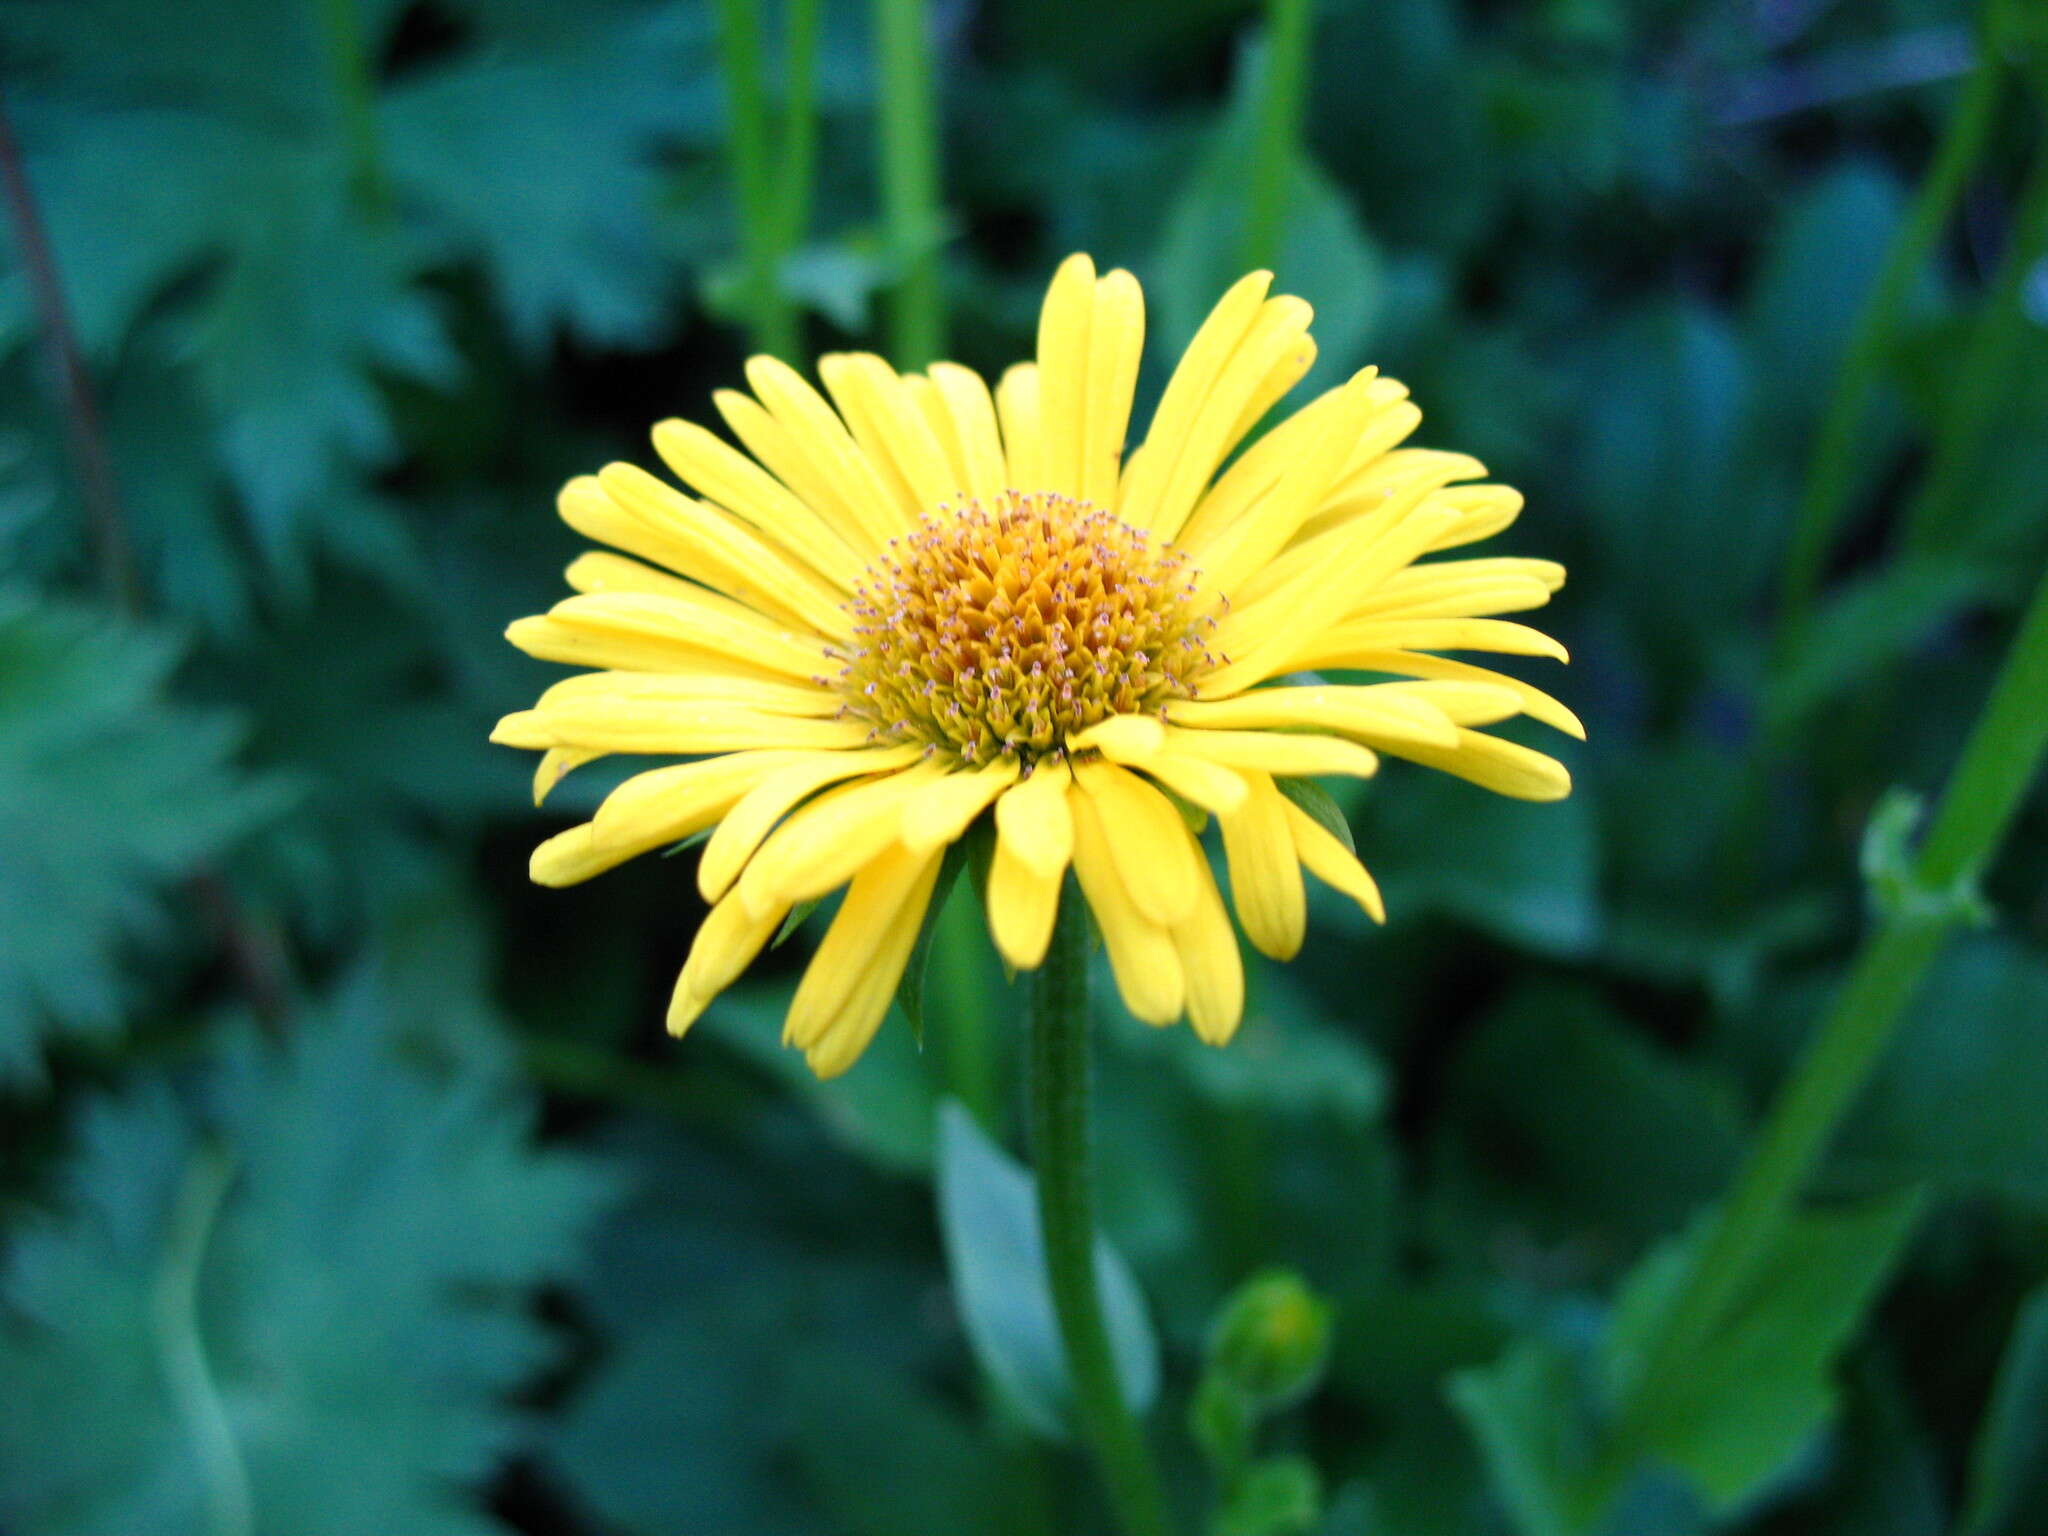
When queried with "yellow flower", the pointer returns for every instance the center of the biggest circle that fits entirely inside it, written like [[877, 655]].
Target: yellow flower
[[918, 600]]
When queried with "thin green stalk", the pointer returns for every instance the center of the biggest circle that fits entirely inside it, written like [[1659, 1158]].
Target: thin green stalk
[[1969, 407], [746, 98], [355, 93], [1832, 472], [84, 435], [1283, 95], [181, 1347], [909, 153], [798, 159], [972, 1073], [2004, 750], [1061, 1147]]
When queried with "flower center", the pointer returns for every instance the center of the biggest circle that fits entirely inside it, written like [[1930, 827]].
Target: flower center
[[1006, 628]]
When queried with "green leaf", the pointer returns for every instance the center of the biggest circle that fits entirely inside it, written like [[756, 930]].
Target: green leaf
[[1738, 1413], [1280, 1496], [2009, 1467], [303, 1291], [108, 793], [1321, 806], [910, 987], [1325, 255], [1972, 1038], [882, 1108], [988, 1215], [1528, 874], [539, 164], [1562, 1120]]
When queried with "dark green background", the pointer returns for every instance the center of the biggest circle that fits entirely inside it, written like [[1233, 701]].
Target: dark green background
[[463, 1244]]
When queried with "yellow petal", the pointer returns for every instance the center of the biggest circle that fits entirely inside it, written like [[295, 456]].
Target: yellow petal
[[556, 764], [1536, 704], [1147, 839], [823, 843], [774, 797], [941, 813], [1295, 756], [890, 429], [1022, 903], [1235, 550], [726, 944], [1502, 635], [1505, 767], [729, 555], [1116, 343], [1034, 823], [1373, 713], [821, 438], [1207, 946], [972, 412], [1145, 476], [666, 804], [1142, 956], [1265, 874], [1064, 322], [1260, 637], [700, 458], [783, 453], [1017, 409], [602, 571], [848, 985], [1275, 335], [1332, 863], [700, 624]]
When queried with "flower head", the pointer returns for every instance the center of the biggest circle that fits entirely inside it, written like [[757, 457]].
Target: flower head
[[919, 601]]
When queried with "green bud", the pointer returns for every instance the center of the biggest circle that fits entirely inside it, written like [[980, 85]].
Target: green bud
[[1280, 1496], [1271, 1340]]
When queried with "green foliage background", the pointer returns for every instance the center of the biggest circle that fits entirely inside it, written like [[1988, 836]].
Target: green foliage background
[[349, 1185]]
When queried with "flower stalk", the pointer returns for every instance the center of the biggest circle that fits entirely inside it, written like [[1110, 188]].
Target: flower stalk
[[1832, 471], [1062, 1150], [2004, 751], [909, 151], [1282, 95]]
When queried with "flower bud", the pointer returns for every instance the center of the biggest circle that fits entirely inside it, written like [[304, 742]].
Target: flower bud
[[1271, 1340]]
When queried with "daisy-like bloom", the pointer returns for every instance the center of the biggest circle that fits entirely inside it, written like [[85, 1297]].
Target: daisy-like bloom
[[912, 601]]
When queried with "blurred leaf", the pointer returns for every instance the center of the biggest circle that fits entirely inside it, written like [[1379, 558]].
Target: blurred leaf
[[1739, 1412], [1560, 1116], [108, 792], [304, 1288], [2009, 1469], [988, 1213], [555, 194], [1325, 254], [1972, 1039], [1527, 874], [882, 1108], [1817, 268], [1734, 1417], [1319, 804], [885, 1457], [1670, 392]]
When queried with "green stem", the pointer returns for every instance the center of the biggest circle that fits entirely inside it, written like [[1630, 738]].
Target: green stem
[[355, 92], [1832, 472], [1969, 408], [910, 180], [972, 1074], [799, 124], [1984, 793], [181, 1347], [1282, 97], [1060, 1146], [746, 98]]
